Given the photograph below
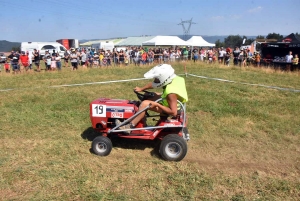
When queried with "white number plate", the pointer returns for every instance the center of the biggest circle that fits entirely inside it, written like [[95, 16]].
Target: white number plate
[[98, 110]]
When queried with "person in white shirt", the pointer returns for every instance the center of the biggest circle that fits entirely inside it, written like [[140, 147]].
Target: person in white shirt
[[288, 60]]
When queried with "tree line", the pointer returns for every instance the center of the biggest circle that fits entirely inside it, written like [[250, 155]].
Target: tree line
[[237, 40]]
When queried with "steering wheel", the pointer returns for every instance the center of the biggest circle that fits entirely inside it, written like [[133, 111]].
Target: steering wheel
[[147, 95]]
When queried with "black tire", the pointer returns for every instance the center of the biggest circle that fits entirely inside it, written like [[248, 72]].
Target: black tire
[[102, 146], [173, 148]]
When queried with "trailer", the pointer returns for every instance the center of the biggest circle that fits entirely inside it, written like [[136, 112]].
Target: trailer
[[69, 43], [104, 45]]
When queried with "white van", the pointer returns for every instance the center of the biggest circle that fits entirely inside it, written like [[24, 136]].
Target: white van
[[43, 46], [105, 45]]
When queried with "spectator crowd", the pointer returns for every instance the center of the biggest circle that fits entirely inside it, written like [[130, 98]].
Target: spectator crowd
[[18, 62]]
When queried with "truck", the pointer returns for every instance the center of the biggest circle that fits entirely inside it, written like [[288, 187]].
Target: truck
[[42, 47], [105, 45], [69, 43]]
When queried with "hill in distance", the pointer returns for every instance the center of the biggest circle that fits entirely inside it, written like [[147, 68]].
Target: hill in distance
[[6, 46]]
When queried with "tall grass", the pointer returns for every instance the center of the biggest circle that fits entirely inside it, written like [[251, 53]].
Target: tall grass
[[244, 145]]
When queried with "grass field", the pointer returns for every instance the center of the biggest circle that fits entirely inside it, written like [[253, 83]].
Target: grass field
[[245, 140]]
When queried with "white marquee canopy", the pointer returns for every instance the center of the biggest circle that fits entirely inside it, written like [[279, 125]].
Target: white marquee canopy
[[165, 40], [199, 41]]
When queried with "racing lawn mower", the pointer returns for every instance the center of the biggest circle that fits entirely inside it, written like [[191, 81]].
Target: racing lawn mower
[[170, 130]]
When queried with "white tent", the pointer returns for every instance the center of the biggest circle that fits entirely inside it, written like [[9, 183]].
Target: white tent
[[165, 40], [199, 41]]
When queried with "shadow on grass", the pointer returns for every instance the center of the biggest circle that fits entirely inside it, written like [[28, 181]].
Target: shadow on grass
[[124, 143]]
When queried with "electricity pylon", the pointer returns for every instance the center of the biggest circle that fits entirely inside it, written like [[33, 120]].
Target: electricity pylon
[[186, 32]]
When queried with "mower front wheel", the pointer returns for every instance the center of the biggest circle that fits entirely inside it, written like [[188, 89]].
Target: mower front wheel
[[173, 148], [102, 146]]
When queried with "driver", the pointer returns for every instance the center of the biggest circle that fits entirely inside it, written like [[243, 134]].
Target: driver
[[173, 89]]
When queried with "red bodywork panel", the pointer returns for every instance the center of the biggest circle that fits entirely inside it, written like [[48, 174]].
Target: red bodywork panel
[[104, 110]]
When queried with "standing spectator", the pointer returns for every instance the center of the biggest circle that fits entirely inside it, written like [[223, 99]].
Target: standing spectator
[[133, 55], [74, 59], [227, 57], [172, 56], [53, 61], [30, 57], [195, 55], [36, 58], [10, 57], [96, 60], [257, 59], [150, 56], [214, 56], [127, 58], [160, 55], [177, 54], [222, 52], [202, 54], [45, 57], [108, 56], [144, 57], [90, 60], [24, 61], [166, 55], [295, 62], [236, 54], [189, 53], [185, 54], [243, 58], [210, 55], [121, 57], [83, 58], [101, 57], [17, 54], [249, 57], [7, 67], [66, 58], [58, 61], [15, 62], [53, 53], [288, 60], [48, 62], [115, 56]]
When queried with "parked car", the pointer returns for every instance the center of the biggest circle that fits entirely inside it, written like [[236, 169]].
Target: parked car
[[2, 57]]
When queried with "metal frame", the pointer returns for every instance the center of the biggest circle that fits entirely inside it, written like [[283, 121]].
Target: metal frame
[[114, 130]]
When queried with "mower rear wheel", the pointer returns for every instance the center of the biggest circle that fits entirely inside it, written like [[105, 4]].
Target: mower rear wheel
[[102, 146], [173, 148]]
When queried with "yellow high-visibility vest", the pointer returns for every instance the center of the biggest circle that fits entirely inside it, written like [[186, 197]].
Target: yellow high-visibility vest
[[177, 86]]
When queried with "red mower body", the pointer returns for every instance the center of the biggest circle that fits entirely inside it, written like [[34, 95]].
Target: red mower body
[[171, 131]]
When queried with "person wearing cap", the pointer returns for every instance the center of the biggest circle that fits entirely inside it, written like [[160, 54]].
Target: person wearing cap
[[173, 89]]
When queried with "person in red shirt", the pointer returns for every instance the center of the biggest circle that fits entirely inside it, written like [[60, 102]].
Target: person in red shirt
[[24, 61], [7, 67]]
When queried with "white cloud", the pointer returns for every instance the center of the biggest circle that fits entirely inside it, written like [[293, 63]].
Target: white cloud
[[217, 18], [255, 10]]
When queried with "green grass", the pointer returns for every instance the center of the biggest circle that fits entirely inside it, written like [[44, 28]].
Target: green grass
[[244, 145]]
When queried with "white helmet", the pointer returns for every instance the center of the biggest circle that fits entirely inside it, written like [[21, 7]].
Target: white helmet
[[163, 72]]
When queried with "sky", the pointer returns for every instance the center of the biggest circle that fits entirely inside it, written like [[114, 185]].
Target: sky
[[50, 20]]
